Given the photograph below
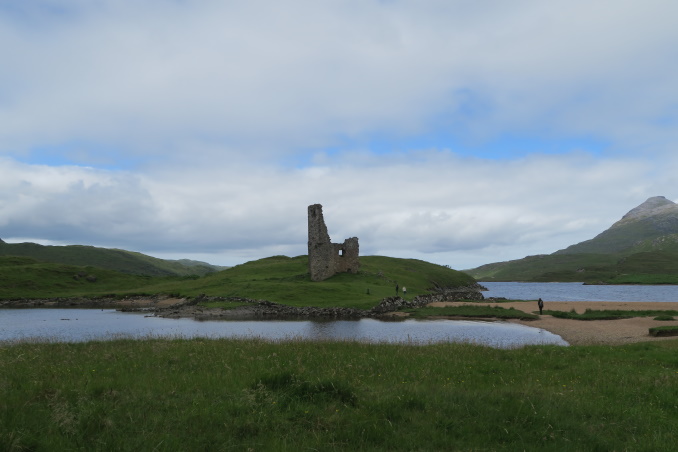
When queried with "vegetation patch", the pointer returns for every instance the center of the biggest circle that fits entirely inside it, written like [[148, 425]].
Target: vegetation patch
[[470, 311], [290, 387], [664, 331], [607, 314], [664, 317]]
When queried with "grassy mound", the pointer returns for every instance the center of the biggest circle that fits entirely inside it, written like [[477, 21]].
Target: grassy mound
[[285, 280], [279, 279]]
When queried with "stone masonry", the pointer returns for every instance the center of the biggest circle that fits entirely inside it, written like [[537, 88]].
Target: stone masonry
[[324, 257]]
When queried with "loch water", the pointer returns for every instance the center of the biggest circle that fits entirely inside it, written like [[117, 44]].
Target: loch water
[[573, 291], [76, 325]]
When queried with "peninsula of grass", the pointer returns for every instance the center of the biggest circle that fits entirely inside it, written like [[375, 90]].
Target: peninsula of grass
[[279, 279], [664, 331], [205, 394], [607, 314], [480, 312]]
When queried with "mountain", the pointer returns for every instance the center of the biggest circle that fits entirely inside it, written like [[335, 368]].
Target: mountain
[[655, 218], [111, 259], [642, 247]]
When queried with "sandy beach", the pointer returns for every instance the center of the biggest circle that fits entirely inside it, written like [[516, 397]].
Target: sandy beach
[[590, 332]]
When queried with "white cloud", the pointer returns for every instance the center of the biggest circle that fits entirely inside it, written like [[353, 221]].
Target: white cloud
[[230, 118], [141, 75], [440, 208]]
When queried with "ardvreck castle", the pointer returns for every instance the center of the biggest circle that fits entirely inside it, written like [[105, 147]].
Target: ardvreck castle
[[324, 257]]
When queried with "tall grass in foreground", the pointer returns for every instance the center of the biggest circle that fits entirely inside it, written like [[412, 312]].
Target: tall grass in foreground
[[203, 394]]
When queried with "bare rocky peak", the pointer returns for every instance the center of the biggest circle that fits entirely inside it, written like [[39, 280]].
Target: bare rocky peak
[[653, 206]]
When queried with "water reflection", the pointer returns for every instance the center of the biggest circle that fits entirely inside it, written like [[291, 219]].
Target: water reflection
[[75, 325]]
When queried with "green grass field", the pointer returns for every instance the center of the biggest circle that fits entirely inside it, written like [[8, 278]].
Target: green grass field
[[169, 395]]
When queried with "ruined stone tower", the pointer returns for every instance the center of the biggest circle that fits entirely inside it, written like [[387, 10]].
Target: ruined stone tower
[[324, 257]]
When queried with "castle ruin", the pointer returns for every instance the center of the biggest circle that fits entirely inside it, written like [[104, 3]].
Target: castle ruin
[[324, 257]]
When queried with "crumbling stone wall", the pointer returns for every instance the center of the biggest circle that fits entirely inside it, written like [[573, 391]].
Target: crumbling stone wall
[[324, 257]]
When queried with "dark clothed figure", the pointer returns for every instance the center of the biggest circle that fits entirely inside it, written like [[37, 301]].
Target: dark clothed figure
[[540, 303]]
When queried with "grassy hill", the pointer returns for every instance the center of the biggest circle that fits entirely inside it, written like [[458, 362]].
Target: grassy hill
[[111, 259], [279, 279], [24, 277], [642, 247], [285, 280]]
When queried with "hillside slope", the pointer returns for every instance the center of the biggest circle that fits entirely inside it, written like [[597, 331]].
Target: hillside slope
[[110, 259], [24, 277], [655, 218], [279, 279], [639, 248]]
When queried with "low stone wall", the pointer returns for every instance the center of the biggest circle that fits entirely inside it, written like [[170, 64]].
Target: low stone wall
[[256, 309], [269, 309], [391, 304]]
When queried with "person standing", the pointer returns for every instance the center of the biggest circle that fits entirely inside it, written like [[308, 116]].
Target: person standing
[[540, 303], [397, 289], [404, 291]]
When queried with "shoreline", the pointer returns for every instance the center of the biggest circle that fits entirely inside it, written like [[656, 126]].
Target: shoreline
[[590, 332], [574, 332]]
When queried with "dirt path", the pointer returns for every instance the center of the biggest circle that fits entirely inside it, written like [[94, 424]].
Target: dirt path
[[580, 332]]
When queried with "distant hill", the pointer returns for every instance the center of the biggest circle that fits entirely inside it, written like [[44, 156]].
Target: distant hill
[[642, 247], [24, 277], [111, 259]]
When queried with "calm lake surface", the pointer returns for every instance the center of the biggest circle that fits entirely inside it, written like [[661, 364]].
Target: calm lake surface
[[76, 325], [579, 292]]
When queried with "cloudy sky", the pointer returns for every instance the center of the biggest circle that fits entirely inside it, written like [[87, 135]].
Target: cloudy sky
[[460, 132]]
